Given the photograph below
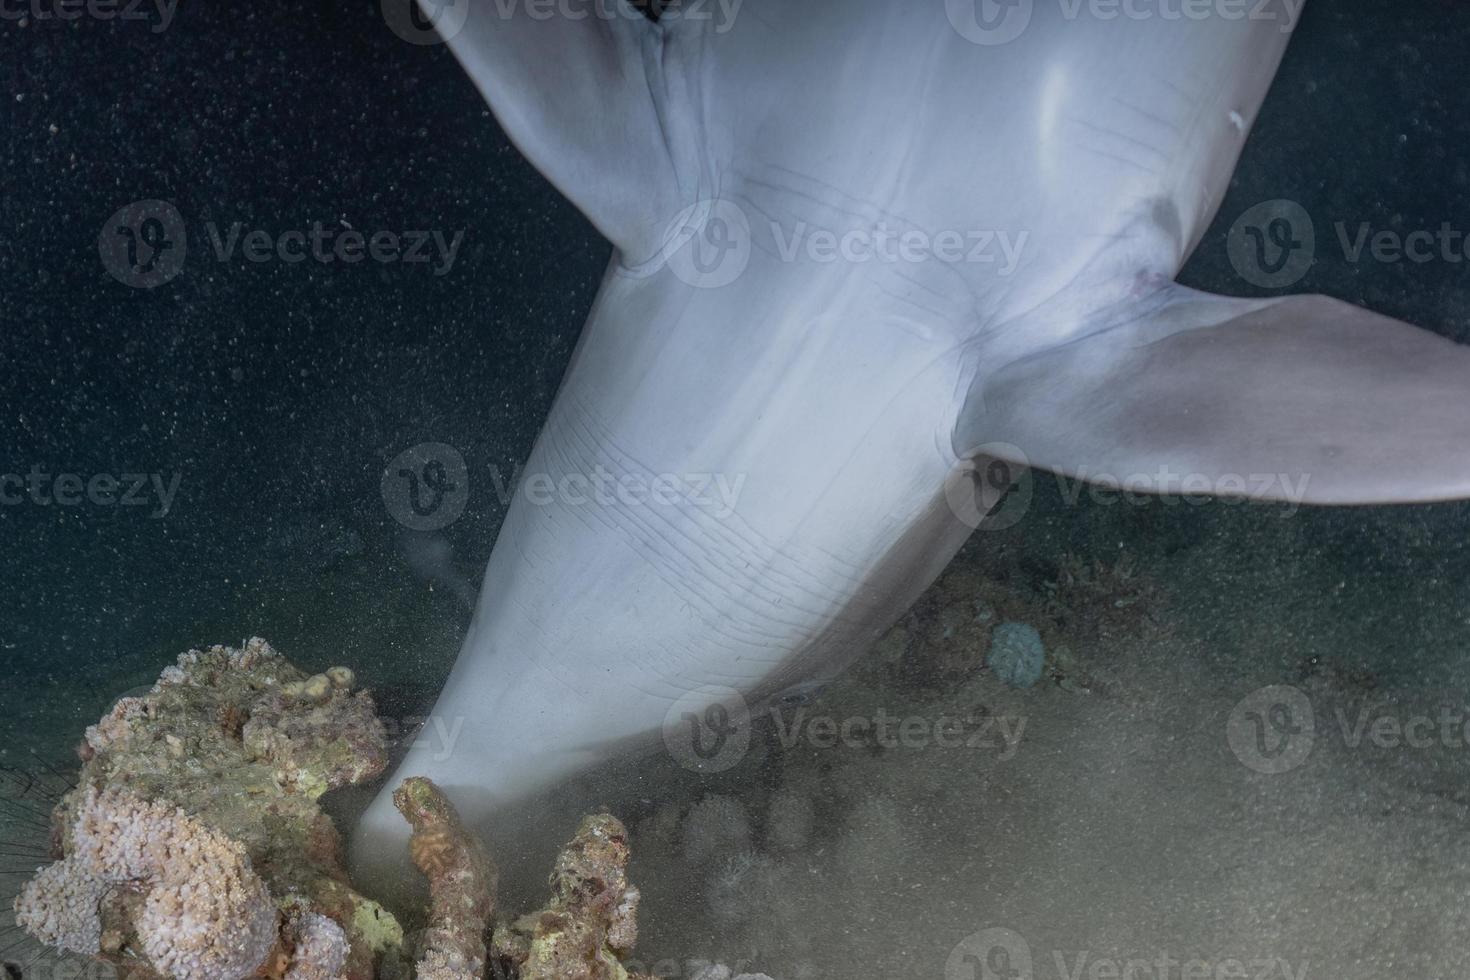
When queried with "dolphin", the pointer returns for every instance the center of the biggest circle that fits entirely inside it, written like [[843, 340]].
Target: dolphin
[[869, 258]]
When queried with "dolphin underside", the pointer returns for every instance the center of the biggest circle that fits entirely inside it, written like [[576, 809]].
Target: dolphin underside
[[848, 392]]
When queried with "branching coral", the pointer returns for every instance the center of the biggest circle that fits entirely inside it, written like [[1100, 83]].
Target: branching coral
[[461, 883]]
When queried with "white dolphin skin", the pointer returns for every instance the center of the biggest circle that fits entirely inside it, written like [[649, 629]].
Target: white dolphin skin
[[858, 246]]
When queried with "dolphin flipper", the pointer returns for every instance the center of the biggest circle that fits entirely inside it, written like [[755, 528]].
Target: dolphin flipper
[[1305, 398], [581, 98]]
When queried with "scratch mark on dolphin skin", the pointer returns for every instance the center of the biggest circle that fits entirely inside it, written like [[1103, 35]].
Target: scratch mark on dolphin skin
[[734, 530], [1116, 135], [682, 574], [1172, 126]]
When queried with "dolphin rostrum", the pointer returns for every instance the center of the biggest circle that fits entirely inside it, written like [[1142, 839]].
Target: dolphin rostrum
[[864, 251]]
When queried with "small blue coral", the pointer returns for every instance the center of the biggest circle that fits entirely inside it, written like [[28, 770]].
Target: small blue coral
[[1016, 654]]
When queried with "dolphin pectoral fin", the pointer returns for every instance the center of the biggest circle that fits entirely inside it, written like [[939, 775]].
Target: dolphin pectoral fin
[[1306, 399], [578, 96]]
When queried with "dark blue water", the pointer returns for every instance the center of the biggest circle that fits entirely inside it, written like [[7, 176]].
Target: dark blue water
[[274, 392]]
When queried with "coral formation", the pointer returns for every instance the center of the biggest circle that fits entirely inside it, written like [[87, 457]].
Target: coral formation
[[461, 883], [175, 877], [1017, 654], [62, 907], [319, 948], [590, 924], [194, 845]]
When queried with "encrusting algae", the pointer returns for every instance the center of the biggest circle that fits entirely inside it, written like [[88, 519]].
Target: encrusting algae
[[193, 847]]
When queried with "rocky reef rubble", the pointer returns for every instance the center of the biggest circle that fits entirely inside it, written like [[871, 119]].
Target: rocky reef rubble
[[591, 921], [193, 847]]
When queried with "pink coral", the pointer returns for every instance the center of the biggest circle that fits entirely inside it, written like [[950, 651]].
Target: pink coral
[[319, 948], [116, 725], [206, 914], [60, 906]]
